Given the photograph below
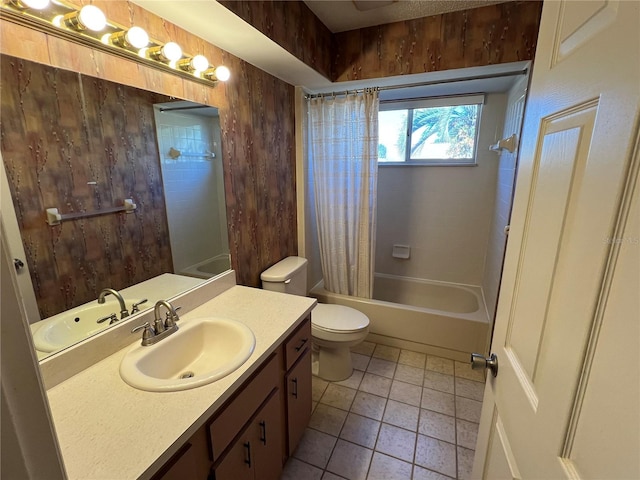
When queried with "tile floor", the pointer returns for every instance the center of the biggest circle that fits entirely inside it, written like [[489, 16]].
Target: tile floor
[[401, 415]]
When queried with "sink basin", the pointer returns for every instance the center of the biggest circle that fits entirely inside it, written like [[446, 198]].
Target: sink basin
[[74, 325], [202, 351]]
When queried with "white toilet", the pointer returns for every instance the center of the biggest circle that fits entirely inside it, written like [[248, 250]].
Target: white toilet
[[334, 328]]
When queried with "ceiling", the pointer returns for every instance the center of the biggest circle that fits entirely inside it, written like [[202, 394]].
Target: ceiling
[[343, 15]]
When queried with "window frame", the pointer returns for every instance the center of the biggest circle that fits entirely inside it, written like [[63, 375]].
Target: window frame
[[433, 102]]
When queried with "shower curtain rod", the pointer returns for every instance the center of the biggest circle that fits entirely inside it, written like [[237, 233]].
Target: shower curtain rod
[[421, 84]]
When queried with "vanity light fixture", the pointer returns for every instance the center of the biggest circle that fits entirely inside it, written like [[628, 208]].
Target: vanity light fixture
[[88, 17], [89, 26], [33, 4], [194, 65], [135, 38]]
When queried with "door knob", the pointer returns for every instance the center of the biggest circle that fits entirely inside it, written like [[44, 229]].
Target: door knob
[[480, 361]]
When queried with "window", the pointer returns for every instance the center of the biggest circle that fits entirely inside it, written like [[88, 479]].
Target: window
[[440, 131]]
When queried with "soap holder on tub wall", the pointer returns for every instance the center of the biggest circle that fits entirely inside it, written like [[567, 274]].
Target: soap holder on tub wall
[[401, 251]]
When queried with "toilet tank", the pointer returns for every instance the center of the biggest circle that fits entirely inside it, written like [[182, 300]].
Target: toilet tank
[[289, 275]]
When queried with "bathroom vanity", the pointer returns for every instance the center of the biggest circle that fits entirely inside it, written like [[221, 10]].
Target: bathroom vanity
[[243, 425]]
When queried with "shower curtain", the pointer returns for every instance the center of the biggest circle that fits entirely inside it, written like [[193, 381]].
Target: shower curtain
[[343, 151]]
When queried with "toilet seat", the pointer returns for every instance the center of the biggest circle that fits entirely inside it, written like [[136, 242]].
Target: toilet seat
[[338, 319]]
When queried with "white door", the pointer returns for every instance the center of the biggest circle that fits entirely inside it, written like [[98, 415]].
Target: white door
[[566, 401]]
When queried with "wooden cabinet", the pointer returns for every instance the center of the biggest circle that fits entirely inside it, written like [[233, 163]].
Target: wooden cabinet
[[256, 452], [298, 400], [251, 435], [298, 384]]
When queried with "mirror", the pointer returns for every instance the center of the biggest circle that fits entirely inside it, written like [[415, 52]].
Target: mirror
[[137, 180]]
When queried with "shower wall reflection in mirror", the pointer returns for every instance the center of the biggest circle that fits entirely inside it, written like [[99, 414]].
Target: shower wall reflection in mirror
[[83, 145]]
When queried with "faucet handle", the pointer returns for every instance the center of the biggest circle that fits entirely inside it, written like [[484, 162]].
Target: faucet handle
[[134, 307], [171, 317], [113, 317], [147, 334]]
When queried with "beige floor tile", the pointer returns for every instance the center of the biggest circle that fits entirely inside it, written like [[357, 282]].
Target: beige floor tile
[[413, 359], [440, 402], [353, 381], [384, 467], [420, 473], [466, 434], [468, 409], [294, 469], [328, 419], [465, 463], [463, 370], [369, 405], [375, 384], [439, 381], [350, 460], [365, 348], [313, 406], [327, 476], [440, 365], [360, 430], [469, 389], [437, 425], [436, 455], [386, 353], [401, 415], [315, 448], [359, 361], [338, 396], [409, 374], [396, 442], [406, 393], [381, 367], [318, 386]]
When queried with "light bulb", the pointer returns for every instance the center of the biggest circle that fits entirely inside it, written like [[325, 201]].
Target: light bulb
[[33, 4], [171, 51], [222, 73], [92, 18], [137, 37], [199, 63]]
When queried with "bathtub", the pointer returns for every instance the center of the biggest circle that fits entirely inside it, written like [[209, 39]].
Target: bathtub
[[424, 315], [208, 268]]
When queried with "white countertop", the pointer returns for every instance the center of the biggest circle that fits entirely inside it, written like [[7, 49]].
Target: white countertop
[[109, 430]]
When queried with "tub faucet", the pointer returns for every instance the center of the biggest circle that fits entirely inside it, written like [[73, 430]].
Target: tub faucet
[[123, 308]]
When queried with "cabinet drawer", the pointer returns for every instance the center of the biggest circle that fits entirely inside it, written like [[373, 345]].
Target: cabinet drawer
[[297, 343], [239, 410]]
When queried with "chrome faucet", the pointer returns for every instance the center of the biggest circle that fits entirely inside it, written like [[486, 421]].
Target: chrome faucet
[[160, 329], [123, 308]]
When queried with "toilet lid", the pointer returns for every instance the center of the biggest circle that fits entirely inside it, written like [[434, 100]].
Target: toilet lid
[[338, 318]]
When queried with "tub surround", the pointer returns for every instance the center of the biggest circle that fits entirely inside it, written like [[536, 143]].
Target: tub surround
[[107, 429]]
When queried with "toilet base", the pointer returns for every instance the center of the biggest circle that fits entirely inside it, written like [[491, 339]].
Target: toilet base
[[334, 364]]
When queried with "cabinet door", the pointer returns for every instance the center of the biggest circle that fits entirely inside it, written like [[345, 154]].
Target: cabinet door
[[239, 462], [181, 465], [266, 442], [298, 399]]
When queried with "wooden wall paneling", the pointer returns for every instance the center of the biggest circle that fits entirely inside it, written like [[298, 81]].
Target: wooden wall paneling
[[293, 26], [502, 33]]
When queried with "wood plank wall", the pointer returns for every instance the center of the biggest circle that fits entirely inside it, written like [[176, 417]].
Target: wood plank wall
[[501, 33]]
